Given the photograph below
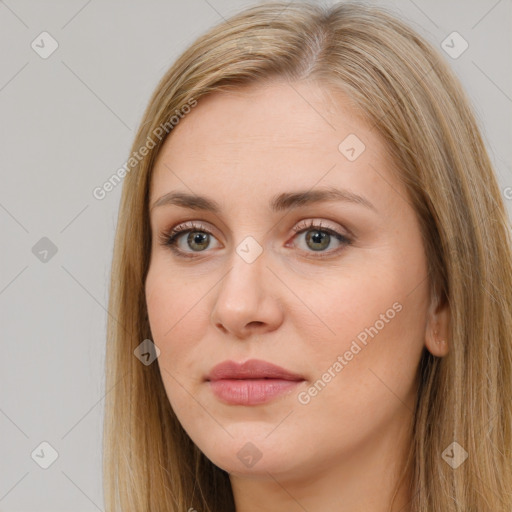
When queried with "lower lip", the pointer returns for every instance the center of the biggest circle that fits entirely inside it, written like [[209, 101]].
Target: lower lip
[[249, 391]]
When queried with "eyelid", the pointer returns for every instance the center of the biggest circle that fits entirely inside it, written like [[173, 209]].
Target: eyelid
[[311, 223]]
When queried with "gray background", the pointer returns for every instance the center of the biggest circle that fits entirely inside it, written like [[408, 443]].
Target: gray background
[[68, 122]]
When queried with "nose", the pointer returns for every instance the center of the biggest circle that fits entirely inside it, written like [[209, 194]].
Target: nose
[[247, 300]]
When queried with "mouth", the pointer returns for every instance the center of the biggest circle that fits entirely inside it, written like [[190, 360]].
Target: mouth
[[251, 383]]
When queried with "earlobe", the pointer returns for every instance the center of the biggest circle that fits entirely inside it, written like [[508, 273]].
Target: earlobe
[[441, 344], [437, 331]]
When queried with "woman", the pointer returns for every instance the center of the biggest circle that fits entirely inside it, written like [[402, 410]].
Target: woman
[[311, 295]]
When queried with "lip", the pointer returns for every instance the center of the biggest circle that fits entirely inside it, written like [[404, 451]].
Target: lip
[[250, 383], [251, 369]]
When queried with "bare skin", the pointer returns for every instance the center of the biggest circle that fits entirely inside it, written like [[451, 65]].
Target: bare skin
[[300, 304]]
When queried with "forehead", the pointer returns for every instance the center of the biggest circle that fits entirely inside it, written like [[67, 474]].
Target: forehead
[[290, 115], [271, 136]]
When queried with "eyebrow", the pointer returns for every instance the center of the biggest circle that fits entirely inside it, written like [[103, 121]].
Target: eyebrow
[[279, 203]]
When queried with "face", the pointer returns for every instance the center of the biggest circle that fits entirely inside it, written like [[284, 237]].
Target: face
[[332, 288]]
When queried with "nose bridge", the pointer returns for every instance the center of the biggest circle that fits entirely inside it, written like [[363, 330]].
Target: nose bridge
[[243, 282], [242, 297]]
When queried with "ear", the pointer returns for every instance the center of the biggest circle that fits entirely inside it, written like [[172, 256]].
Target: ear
[[438, 329]]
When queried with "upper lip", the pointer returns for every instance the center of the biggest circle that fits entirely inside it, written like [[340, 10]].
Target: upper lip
[[251, 369]]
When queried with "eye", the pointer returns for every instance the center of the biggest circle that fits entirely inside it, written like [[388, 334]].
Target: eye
[[318, 238], [199, 238]]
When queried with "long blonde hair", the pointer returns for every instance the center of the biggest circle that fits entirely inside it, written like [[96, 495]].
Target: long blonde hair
[[405, 90]]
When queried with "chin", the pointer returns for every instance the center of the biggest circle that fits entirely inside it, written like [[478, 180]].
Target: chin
[[251, 452]]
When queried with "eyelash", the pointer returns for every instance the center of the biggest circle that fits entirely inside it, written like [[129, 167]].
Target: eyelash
[[170, 238]]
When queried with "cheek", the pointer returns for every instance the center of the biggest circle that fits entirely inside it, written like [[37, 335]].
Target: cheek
[[363, 376], [347, 303], [375, 322], [177, 321], [177, 317]]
